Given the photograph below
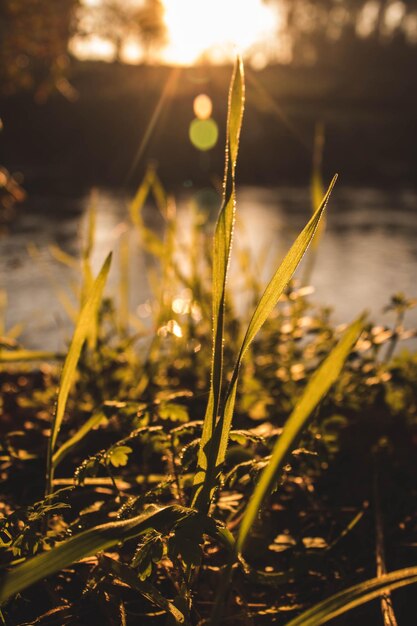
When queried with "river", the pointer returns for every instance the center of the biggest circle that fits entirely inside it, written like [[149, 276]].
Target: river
[[368, 252]]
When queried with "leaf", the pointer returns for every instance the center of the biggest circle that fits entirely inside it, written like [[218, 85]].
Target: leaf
[[85, 324], [355, 596], [217, 444], [127, 575], [87, 544], [173, 412], [119, 456], [221, 259], [316, 389], [243, 436]]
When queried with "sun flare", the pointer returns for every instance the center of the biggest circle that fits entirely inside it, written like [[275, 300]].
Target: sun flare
[[218, 27]]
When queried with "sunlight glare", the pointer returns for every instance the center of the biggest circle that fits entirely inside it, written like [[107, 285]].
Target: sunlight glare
[[197, 26], [202, 106]]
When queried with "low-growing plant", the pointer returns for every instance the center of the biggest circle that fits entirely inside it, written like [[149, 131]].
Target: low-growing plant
[[178, 489]]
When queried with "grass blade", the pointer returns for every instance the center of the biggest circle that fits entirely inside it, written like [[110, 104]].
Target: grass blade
[[84, 326], [221, 259], [66, 447], [269, 299], [14, 356], [316, 389], [86, 544], [355, 596]]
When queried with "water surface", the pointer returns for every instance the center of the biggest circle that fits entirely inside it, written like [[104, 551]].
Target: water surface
[[369, 251]]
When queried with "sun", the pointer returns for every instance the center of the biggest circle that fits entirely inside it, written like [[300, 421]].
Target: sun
[[219, 27]]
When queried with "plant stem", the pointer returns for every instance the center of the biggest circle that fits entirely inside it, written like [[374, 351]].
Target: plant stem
[[387, 608]]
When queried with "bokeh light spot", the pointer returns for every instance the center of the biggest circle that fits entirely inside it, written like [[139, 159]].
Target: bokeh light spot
[[204, 134], [202, 106]]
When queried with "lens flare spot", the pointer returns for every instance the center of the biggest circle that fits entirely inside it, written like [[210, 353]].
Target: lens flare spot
[[204, 134], [202, 106]]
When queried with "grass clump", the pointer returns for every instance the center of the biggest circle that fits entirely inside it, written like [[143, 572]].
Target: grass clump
[[186, 489]]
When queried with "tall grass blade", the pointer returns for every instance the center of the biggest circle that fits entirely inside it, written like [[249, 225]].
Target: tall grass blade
[[317, 191], [317, 187], [221, 259], [124, 284], [63, 257], [269, 299], [86, 319], [318, 386], [66, 447], [86, 544], [355, 596], [3, 307]]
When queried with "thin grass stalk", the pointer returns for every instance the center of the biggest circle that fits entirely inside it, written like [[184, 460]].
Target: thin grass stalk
[[220, 435], [221, 261], [316, 389], [355, 596], [387, 608], [86, 325]]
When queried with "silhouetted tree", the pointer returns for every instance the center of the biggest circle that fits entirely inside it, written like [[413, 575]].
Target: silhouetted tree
[[34, 36], [311, 27], [120, 21]]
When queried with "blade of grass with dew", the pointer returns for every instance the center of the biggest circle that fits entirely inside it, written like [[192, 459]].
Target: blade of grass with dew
[[221, 260], [355, 596], [14, 356], [267, 303], [83, 328], [316, 389], [86, 544]]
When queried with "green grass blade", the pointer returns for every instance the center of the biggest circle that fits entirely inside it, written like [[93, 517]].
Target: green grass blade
[[221, 259], [220, 435], [63, 257], [317, 187], [66, 447], [316, 389], [14, 356], [86, 544], [355, 596], [86, 319]]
